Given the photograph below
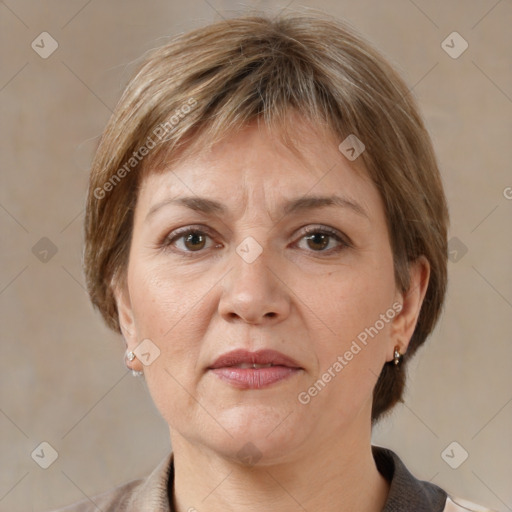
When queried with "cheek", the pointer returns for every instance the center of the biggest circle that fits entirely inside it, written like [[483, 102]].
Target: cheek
[[169, 317], [160, 299], [357, 309], [352, 301], [171, 314]]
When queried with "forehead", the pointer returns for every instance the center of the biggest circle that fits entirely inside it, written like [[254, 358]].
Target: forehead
[[259, 164]]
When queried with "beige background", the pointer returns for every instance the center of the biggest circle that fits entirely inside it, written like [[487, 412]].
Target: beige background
[[62, 376]]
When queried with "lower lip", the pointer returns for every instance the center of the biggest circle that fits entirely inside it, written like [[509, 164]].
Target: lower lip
[[254, 378]]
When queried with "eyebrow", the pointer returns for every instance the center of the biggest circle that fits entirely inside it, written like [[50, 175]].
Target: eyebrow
[[300, 204]]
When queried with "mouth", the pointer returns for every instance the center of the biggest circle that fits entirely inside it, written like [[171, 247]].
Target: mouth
[[254, 370]]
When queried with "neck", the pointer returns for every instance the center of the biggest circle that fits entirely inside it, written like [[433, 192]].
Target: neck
[[331, 475]]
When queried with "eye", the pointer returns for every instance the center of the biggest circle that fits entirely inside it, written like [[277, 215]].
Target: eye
[[188, 240], [195, 239], [319, 239]]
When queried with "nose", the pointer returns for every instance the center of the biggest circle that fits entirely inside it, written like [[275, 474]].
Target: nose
[[253, 292]]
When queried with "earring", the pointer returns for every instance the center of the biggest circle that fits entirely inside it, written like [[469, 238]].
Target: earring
[[131, 356], [397, 357]]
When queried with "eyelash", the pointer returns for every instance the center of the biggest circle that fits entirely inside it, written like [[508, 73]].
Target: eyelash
[[170, 239]]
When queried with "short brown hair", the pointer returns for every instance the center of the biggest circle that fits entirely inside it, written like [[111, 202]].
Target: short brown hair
[[214, 80]]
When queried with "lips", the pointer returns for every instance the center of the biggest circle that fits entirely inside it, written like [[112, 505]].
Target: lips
[[254, 370], [245, 359]]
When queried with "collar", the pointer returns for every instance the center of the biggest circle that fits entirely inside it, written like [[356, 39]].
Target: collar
[[406, 492]]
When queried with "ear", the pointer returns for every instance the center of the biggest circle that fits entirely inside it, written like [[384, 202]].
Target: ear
[[405, 321], [127, 320]]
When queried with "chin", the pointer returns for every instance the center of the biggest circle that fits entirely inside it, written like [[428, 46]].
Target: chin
[[259, 436], [256, 451]]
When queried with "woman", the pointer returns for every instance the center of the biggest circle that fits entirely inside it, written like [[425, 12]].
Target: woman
[[266, 227]]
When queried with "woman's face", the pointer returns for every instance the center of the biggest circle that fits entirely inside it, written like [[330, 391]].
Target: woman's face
[[266, 269]]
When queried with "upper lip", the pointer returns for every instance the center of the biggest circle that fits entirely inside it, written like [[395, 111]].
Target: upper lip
[[265, 356]]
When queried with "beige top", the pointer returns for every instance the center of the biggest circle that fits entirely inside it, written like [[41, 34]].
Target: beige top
[[406, 493]]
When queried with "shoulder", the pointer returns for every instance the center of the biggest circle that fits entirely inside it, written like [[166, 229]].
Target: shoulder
[[406, 492], [109, 501], [142, 495], [454, 504]]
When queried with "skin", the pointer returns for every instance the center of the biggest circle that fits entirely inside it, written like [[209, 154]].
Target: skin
[[196, 300]]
